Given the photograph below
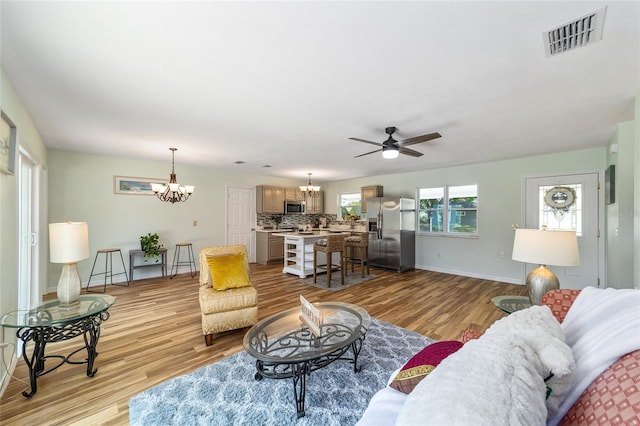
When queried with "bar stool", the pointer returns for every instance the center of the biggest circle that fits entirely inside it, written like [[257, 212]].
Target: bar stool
[[358, 243], [177, 262], [108, 268], [332, 244]]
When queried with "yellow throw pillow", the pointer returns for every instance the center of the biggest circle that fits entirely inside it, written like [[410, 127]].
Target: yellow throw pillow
[[228, 271]]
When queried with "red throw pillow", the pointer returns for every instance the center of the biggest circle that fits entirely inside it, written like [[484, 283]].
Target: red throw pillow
[[423, 363]]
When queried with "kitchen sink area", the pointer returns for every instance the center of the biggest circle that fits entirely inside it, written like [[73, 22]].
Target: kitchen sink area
[[271, 247]]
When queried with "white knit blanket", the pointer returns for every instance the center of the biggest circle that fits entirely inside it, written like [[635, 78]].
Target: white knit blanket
[[601, 326], [497, 379]]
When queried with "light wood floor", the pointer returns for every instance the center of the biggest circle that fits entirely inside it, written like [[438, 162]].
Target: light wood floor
[[154, 334]]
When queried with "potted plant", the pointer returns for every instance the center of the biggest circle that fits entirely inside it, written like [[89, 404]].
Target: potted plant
[[150, 245]]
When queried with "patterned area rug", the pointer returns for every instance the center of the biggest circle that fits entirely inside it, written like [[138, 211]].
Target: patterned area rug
[[349, 280], [225, 393]]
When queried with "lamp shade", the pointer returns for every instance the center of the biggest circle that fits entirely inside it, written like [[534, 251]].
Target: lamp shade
[[68, 242], [559, 248]]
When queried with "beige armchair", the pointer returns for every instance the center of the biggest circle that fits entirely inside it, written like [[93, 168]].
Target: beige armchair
[[228, 301]]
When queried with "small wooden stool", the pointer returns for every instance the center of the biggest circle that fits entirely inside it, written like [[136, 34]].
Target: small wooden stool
[[357, 244], [108, 269], [332, 244], [177, 262]]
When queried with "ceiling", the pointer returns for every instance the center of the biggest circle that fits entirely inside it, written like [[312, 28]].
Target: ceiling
[[286, 84]]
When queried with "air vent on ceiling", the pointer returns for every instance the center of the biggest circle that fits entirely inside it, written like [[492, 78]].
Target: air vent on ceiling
[[577, 33]]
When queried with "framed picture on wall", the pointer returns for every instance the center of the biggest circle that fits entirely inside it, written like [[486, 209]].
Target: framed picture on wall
[[610, 184], [7, 145], [134, 185]]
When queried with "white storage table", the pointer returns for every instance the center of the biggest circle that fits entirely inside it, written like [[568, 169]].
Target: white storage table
[[298, 252]]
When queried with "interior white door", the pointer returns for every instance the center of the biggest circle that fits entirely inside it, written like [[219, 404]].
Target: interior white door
[[582, 216], [241, 218]]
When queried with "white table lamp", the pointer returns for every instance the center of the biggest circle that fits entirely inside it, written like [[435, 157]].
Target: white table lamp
[[557, 248], [68, 244]]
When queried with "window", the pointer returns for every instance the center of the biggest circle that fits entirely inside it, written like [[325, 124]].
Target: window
[[348, 205], [431, 209], [448, 210], [558, 217]]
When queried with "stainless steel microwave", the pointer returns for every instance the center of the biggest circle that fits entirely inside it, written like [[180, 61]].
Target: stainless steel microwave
[[294, 207]]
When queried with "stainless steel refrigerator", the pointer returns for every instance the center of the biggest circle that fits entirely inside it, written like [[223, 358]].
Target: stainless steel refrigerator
[[392, 232]]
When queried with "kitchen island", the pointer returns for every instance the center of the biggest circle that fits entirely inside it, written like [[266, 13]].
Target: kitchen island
[[298, 251], [269, 247]]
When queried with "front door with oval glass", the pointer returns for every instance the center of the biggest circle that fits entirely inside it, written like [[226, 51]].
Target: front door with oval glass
[[568, 203]]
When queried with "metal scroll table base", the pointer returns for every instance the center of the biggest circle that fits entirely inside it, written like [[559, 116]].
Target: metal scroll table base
[[88, 327], [299, 371]]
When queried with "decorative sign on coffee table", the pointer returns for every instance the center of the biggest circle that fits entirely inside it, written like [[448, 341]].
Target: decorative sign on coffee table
[[310, 316]]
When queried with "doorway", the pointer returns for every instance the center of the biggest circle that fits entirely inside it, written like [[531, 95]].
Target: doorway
[[583, 213], [28, 225], [241, 218]]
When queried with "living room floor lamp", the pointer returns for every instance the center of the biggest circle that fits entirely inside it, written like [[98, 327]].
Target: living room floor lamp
[[68, 244], [556, 248]]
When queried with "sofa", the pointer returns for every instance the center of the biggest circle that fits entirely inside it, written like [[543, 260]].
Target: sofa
[[574, 360]]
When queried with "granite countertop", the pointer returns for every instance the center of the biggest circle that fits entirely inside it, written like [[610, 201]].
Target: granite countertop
[[291, 230], [315, 230], [312, 234]]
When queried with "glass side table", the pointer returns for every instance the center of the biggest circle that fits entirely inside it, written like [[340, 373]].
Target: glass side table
[[510, 304], [49, 323]]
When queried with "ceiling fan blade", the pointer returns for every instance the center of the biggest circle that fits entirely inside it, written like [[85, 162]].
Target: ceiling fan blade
[[410, 152], [418, 139], [366, 141], [361, 155]]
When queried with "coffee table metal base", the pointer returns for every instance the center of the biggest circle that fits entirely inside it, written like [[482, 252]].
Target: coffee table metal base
[[299, 371]]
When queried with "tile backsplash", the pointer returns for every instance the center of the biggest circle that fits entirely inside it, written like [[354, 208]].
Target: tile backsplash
[[294, 220]]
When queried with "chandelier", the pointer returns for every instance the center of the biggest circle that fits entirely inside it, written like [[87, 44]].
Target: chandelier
[[310, 190], [172, 192]]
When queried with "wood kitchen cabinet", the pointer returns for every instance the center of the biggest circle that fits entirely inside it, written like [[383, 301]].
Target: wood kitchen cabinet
[[315, 205], [367, 192], [293, 194], [270, 199], [269, 248]]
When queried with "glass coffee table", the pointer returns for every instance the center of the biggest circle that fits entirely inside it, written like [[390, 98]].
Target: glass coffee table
[[285, 348], [510, 304], [49, 323]]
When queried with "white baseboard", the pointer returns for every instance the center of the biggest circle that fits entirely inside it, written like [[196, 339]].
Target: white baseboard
[[6, 377], [94, 283], [469, 274]]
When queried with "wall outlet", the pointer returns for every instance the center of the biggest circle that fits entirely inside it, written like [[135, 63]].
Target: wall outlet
[[501, 254], [195, 223]]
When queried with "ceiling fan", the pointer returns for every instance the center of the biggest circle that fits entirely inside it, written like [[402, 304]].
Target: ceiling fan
[[391, 147]]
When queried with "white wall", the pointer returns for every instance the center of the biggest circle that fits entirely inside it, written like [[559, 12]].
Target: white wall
[[29, 138], [636, 198], [620, 217], [81, 189], [500, 206]]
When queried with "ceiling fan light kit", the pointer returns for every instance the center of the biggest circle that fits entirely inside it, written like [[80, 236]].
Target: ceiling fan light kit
[[391, 148], [390, 152]]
